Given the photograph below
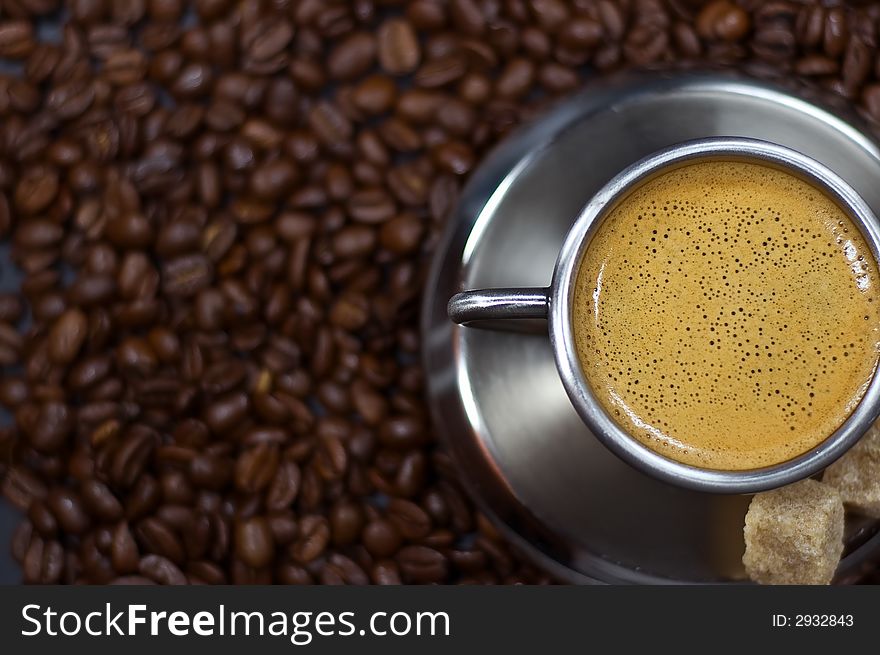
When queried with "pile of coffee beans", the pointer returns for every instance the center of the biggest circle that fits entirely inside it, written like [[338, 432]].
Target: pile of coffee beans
[[224, 212]]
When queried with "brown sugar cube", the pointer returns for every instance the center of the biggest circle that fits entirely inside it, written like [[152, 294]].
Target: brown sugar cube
[[856, 475], [794, 535]]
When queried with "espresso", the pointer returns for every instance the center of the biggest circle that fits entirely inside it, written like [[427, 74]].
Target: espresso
[[726, 315]]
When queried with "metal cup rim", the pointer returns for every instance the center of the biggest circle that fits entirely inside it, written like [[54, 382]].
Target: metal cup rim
[[560, 331]]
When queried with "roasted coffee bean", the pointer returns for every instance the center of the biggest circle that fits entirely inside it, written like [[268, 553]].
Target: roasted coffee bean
[[226, 412], [385, 572], [130, 457], [723, 20], [346, 522], [375, 95], [343, 570], [13, 392], [291, 574], [273, 179], [186, 275], [124, 553], [402, 432], [283, 489], [441, 71], [42, 519], [100, 501], [47, 425], [38, 233], [353, 56], [134, 356], [381, 538], [422, 564], [67, 336], [16, 39], [131, 230], [836, 32], [410, 519], [354, 241], [89, 371], [11, 308], [314, 535], [256, 468], [68, 509], [411, 474], [156, 537], [399, 50], [454, 157], [161, 570], [253, 542], [43, 563]]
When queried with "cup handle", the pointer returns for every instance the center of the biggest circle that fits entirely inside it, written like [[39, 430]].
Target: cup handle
[[517, 309]]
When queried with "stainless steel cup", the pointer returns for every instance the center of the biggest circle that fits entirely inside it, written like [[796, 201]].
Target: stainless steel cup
[[518, 307]]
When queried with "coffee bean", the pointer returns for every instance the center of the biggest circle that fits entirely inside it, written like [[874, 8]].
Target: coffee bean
[[16, 39], [421, 564], [411, 474], [11, 308], [354, 241], [256, 468], [330, 126], [125, 554], [89, 371], [721, 19], [155, 536], [270, 41], [375, 95], [68, 509], [381, 538], [100, 501], [313, 539], [346, 522], [135, 356], [399, 49], [272, 180], [441, 71], [131, 230], [343, 570], [454, 157], [253, 542], [13, 392], [161, 570], [47, 425], [516, 79], [410, 519], [815, 65], [43, 563], [67, 336], [131, 455], [38, 233], [385, 572], [401, 432], [836, 32], [352, 57], [10, 344], [21, 539], [42, 519], [871, 98], [226, 412], [612, 19], [284, 487], [36, 189], [856, 64]]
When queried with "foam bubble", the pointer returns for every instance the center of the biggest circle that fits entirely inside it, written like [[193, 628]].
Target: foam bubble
[[736, 321]]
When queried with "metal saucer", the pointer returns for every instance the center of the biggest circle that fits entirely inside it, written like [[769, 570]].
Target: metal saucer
[[497, 402]]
